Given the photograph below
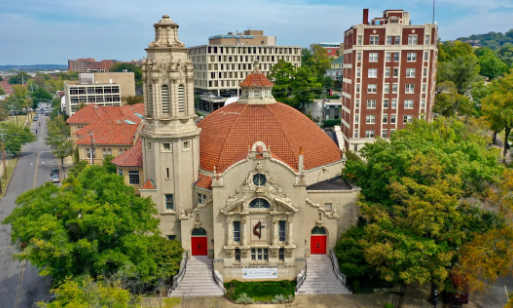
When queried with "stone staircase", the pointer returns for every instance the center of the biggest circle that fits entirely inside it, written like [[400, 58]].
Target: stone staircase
[[320, 278], [198, 279]]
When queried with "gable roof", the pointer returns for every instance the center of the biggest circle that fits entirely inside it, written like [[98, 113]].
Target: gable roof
[[132, 157]]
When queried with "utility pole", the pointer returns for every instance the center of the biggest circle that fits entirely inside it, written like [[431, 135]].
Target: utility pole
[[92, 148], [4, 157], [323, 106]]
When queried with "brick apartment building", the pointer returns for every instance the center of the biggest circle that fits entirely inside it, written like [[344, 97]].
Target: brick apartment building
[[87, 65], [389, 76]]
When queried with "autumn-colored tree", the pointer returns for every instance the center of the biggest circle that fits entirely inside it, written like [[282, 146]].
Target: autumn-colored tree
[[132, 99], [448, 102]]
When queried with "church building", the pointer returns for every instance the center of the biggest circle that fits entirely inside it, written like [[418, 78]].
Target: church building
[[256, 184]]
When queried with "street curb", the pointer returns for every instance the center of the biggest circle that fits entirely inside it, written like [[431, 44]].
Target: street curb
[[9, 183]]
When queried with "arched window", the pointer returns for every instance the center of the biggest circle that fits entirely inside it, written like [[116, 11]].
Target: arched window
[[165, 100], [150, 98], [259, 203], [181, 99], [199, 232], [318, 230]]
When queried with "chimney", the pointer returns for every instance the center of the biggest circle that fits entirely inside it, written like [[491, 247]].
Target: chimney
[[365, 16], [110, 80], [301, 167]]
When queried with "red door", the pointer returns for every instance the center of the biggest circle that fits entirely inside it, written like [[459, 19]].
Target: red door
[[199, 245], [318, 244]]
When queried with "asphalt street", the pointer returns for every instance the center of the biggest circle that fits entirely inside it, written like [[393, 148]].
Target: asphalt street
[[20, 284]]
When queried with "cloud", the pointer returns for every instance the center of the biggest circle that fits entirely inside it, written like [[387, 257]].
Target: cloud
[[40, 31]]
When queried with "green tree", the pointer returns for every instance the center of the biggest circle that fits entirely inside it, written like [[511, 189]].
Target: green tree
[[491, 65], [40, 96], [351, 255], [107, 163], [2, 91], [16, 136], [505, 53], [306, 57], [1, 78], [448, 102], [19, 78], [132, 99], [122, 67], [459, 64], [58, 139], [327, 83], [319, 62], [93, 225], [282, 74], [84, 292], [304, 85], [498, 107]]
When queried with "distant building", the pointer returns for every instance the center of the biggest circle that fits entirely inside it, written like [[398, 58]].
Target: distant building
[[332, 48], [88, 65], [7, 86], [104, 89], [336, 69], [389, 76], [220, 67]]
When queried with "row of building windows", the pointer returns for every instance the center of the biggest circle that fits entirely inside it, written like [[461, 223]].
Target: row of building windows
[[260, 254], [410, 56], [246, 50], [384, 134], [105, 152], [166, 146], [408, 103], [94, 99], [408, 88], [394, 40], [165, 99], [93, 90], [410, 72], [371, 119], [248, 59]]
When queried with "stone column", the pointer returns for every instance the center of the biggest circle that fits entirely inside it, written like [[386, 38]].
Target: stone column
[[229, 231], [275, 232], [243, 231], [289, 234]]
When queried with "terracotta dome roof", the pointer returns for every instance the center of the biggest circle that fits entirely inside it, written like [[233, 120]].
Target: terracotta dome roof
[[227, 133], [256, 79]]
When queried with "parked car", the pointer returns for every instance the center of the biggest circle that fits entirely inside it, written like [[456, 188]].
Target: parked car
[[54, 176], [35, 118]]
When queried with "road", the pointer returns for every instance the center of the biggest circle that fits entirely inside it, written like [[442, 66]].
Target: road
[[20, 284]]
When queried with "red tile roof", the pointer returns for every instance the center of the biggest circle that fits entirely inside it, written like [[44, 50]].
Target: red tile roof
[[92, 113], [256, 79], [149, 185], [110, 133], [204, 181], [227, 133], [130, 158]]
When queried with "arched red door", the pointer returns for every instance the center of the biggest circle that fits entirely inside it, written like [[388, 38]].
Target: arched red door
[[199, 244], [318, 241]]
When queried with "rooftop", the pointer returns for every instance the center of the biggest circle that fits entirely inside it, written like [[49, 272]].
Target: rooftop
[[337, 183], [132, 157]]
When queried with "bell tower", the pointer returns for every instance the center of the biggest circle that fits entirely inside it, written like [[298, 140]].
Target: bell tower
[[170, 136]]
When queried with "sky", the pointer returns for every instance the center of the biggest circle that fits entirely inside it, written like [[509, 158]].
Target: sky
[[53, 31]]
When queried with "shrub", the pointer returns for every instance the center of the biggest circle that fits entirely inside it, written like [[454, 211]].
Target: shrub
[[389, 306], [356, 285], [280, 299], [244, 299], [331, 123], [261, 291]]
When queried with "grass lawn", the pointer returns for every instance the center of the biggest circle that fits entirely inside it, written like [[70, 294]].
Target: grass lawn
[[260, 291], [11, 163], [20, 120]]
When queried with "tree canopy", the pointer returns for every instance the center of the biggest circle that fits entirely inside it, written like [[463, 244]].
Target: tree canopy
[[94, 225], [16, 136], [39, 96], [448, 102], [20, 78], [490, 63], [492, 40], [458, 63], [59, 138]]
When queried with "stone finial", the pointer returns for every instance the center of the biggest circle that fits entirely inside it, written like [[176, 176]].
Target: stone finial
[[256, 66]]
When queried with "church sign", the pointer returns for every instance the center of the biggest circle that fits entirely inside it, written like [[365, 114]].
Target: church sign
[[259, 273]]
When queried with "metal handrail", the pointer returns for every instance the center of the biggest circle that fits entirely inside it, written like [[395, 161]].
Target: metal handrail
[[181, 273], [341, 277], [302, 279], [217, 278]]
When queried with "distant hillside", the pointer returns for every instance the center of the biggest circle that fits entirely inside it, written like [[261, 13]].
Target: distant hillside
[[494, 40], [34, 67]]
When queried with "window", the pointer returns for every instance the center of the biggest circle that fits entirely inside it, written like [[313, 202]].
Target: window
[[392, 120], [427, 39], [282, 225], [281, 255], [259, 254], [150, 98], [373, 57], [407, 119], [371, 119], [120, 171], [423, 103], [356, 119], [171, 237], [385, 119], [186, 145], [394, 88], [165, 100], [389, 40], [411, 57], [259, 179], [166, 147], [409, 88], [374, 40], [259, 203], [236, 231], [360, 40], [369, 133], [384, 133], [133, 177], [148, 145], [372, 88], [371, 103], [357, 103], [181, 99], [356, 135], [355, 148], [358, 72], [410, 72], [385, 103], [424, 88], [412, 39], [359, 56], [387, 57], [426, 55], [170, 204], [167, 173], [396, 72], [104, 152], [237, 254], [408, 104], [328, 206], [387, 88], [373, 73], [424, 72], [387, 72], [397, 40], [202, 198], [396, 56], [394, 103]]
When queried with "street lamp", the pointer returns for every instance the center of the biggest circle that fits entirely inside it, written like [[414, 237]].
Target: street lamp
[[435, 298], [92, 149]]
